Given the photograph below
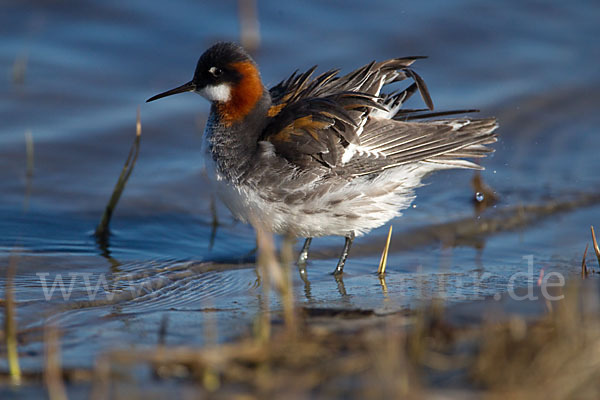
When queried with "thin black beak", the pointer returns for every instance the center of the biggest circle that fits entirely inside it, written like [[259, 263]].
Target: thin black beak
[[186, 87]]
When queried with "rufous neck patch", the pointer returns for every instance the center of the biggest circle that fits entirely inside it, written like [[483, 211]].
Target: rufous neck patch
[[244, 95]]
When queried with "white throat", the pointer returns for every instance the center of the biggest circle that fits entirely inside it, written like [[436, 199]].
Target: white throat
[[220, 92]]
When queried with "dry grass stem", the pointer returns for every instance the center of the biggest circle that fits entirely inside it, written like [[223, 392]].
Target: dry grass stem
[[276, 273], [101, 378], [584, 270], [384, 255], [53, 375], [10, 325], [210, 376], [384, 287], [286, 290], [29, 151], [249, 25], [268, 271], [595, 242], [102, 229], [267, 258], [19, 69]]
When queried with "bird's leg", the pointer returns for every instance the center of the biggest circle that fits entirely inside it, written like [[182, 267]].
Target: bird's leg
[[302, 259], [339, 269], [304, 252], [340, 285]]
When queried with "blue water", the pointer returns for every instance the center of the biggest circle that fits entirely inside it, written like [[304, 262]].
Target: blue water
[[90, 65]]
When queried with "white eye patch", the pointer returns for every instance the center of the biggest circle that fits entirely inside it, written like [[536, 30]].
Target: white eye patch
[[220, 92], [214, 71]]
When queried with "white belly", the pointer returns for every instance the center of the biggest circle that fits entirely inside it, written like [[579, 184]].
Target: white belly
[[358, 206]]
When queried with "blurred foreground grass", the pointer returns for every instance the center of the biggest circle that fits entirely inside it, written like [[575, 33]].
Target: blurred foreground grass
[[329, 353]]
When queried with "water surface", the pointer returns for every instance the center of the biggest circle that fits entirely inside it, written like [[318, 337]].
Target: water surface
[[89, 65]]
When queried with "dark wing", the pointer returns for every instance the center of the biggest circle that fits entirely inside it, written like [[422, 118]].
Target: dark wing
[[368, 79], [318, 128], [315, 120], [348, 125]]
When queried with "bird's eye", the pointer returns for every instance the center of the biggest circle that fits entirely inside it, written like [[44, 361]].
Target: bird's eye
[[216, 72]]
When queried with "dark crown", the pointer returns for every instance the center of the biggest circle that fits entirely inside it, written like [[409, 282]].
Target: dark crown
[[222, 54]]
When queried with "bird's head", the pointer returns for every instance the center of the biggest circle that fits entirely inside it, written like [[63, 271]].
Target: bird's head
[[227, 76]]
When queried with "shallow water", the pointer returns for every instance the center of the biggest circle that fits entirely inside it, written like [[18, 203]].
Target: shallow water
[[89, 65]]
